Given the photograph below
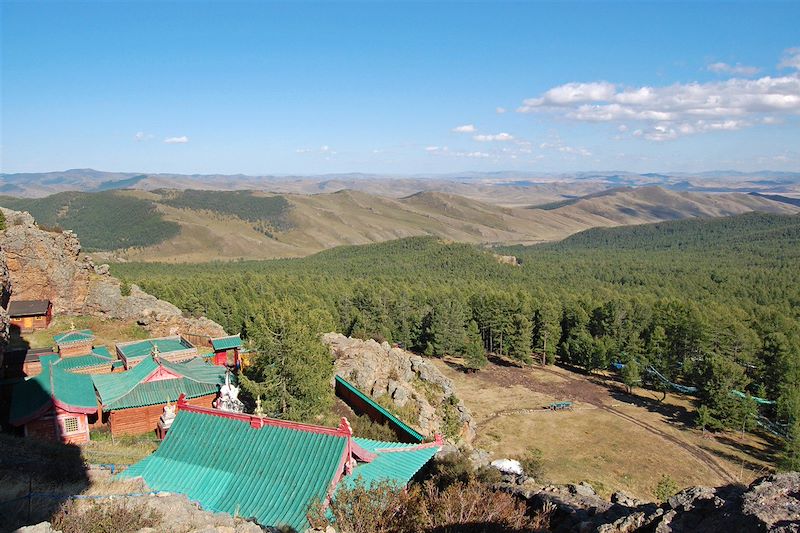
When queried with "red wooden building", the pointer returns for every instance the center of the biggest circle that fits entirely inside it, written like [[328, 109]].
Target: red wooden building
[[227, 350], [132, 401], [55, 405]]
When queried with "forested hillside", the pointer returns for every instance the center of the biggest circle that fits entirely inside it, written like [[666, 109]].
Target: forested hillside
[[177, 225], [103, 220], [267, 213], [713, 304]]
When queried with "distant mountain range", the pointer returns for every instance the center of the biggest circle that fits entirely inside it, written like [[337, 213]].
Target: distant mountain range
[[200, 225], [507, 188]]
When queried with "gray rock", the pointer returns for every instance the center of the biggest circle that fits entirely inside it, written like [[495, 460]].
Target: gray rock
[[43, 527], [379, 369]]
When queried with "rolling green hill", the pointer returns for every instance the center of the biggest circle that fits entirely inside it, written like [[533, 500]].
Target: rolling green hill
[[102, 220], [201, 225]]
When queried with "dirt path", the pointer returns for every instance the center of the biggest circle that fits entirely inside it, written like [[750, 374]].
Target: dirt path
[[579, 388]]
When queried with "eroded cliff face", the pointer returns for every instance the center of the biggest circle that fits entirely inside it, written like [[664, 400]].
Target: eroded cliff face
[[407, 380], [49, 265], [5, 292]]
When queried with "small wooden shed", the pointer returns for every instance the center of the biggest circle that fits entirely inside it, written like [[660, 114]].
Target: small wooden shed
[[227, 350], [30, 315]]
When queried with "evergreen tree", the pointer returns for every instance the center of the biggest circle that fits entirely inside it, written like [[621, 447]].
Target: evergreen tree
[[704, 417], [474, 354], [631, 374], [292, 369], [790, 459]]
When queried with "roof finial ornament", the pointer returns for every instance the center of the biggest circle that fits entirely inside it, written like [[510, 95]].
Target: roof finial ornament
[[259, 412], [156, 353], [72, 325]]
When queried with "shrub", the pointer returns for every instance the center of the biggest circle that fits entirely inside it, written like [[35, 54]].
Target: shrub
[[382, 508], [457, 468], [533, 464], [2, 221], [460, 507], [104, 517], [451, 421], [665, 489], [365, 428], [125, 288]]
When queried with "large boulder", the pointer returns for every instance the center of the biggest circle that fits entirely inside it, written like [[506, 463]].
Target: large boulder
[[408, 380]]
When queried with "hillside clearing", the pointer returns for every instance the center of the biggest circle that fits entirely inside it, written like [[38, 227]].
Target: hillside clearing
[[611, 440]]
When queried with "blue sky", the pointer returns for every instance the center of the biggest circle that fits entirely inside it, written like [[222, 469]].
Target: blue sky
[[302, 88]]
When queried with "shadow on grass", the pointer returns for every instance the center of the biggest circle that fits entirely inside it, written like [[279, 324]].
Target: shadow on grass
[[36, 477], [757, 468], [769, 455]]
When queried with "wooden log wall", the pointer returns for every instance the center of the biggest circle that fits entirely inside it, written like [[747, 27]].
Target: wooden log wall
[[138, 420]]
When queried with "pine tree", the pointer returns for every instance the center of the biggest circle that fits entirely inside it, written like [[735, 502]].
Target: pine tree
[[292, 368], [631, 374], [474, 354], [790, 459], [704, 418]]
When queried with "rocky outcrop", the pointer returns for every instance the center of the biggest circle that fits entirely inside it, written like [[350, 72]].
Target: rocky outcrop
[[5, 292], [769, 504], [412, 384], [49, 265]]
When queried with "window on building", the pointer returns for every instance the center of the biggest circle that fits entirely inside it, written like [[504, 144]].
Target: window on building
[[70, 425]]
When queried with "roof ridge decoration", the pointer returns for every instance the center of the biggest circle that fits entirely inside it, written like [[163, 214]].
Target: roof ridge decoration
[[259, 422]]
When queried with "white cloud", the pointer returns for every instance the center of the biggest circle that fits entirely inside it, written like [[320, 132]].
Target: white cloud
[[324, 150], [679, 109], [466, 128], [791, 59], [556, 144], [142, 136], [502, 137], [738, 69], [444, 150], [183, 139], [500, 110]]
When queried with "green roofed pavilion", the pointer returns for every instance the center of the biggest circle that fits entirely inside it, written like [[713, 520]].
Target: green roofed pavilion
[[395, 462], [153, 383], [269, 469], [99, 357], [53, 387], [174, 348], [74, 336], [226, 343]]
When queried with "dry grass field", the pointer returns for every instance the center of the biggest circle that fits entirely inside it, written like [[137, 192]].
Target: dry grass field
[[610, 439]]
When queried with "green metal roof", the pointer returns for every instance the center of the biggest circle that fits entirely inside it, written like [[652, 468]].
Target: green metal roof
[[378, 407], [100, 356], [398, 465], [272, 473], [125, 390], [143, 348], [69, 337], [226, 343], [35, 396]]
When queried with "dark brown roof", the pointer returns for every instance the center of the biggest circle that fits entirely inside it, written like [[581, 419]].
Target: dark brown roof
[[18, 308]]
